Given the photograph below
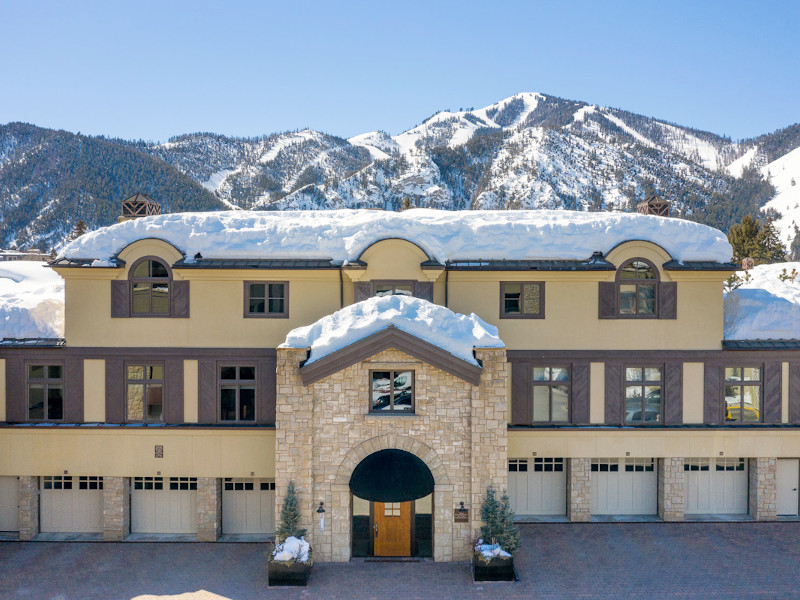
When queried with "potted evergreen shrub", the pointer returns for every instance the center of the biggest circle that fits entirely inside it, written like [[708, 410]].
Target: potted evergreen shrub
[[492, 558], [290, 562]]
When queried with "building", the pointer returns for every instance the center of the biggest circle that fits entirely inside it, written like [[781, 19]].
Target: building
[[208, 359]]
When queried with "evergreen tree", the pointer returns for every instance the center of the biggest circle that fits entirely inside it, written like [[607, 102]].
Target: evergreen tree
[[794, 249], [770, 245], [499, 519], [760, 242], [78, 230], [289, 525]]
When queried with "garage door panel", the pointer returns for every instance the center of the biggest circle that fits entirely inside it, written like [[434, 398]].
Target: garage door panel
[[624, 486], [159, 506], [716, 486], [248, 506], [71, 504], [537, 486], [9, 504]]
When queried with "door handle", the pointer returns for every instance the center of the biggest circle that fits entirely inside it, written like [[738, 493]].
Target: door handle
[[376, 530]]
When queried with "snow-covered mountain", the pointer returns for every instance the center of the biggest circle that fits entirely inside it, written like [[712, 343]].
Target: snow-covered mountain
[[527, 151]]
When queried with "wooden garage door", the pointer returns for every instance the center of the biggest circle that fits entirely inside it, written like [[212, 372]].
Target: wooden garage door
[[537, 486], [9, 504], [716, 486], [248, 506], [164, 505], [624, 486], [71, 504]]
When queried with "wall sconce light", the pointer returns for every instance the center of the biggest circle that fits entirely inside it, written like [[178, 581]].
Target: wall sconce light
[[462, 509], [321, 513]]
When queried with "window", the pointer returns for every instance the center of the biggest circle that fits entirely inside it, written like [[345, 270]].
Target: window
[[517, 465], [145, 387], [150, 281], [90, 483], [696, 464], [57, 482], [392, 391], [266, 299], [237, 393], [643, 395], [391, 509], [540, 465], [148, 483], [183, 483], [637, 282], [551, 394], [45, 392], [605, 465], [522, 300], [393, 288], [742, 394], [639, 465]]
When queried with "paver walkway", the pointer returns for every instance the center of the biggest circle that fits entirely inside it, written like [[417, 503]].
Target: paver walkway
[[609, 560]]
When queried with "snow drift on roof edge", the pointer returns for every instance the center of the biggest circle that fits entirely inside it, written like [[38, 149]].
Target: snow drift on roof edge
[[456, 333], [342, 235]]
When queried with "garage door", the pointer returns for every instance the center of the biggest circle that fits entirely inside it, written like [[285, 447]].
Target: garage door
[[537, 486], [248, 506], [9, 501], [716, 486], [624, 486], [71, 504], [164, 505]]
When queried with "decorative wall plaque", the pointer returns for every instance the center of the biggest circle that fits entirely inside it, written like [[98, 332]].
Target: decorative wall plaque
[[460, 516], [159, 451]]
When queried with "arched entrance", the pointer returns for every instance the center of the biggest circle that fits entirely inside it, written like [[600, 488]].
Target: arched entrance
[[392, 505]]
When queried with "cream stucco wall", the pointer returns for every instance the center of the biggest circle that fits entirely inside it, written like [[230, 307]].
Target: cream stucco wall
[[94, 391], [191, 408], [693, 397], [597, 393]]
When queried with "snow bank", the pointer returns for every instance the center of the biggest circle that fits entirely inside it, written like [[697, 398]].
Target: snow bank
[[490, 551], [292, 549], [765, 308], [457, 334], [342, 235], [31, 301]]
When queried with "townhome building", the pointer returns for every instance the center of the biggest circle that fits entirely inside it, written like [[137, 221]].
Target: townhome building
[[393, 366]]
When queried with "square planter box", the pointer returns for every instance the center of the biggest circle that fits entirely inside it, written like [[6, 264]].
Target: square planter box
[[288, 573], [496, 569]]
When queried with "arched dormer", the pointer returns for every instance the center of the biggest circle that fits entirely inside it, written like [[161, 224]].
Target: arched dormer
[[150, 281]]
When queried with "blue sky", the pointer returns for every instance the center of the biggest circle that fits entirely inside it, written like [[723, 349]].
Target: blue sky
[[151, 70]]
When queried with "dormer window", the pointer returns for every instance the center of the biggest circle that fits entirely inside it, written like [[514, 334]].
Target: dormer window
[[637, 282], [150, 281]]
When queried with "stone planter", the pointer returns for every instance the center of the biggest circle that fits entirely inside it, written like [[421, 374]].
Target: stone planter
[[288, 572], [497, 569]]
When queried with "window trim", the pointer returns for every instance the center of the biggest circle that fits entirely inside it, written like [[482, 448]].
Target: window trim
[[642, 365], [266, 314], [162, 381], [46, 381], [549, 384], [654, 282], [539, 315], [237, 383], [150, 280], [392, 411], [394, 283], [742, 383]]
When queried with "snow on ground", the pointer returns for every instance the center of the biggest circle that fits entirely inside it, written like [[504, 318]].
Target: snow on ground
[[342, 235], [765, 308], [784, 174], [582, 113], [737, 167], [490, 551], [216, 179], [456, 333], [377, 143], [627, 129], [31, 300]]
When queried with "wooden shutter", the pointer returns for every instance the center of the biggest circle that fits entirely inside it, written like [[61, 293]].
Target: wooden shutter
[[424, 290], [772, 393], [668, 300], [580, 393], [362, 290], [794, 393], [607, 300], [73, 390], [712, 394], [16, 392], [673, 393], [120, 299], [614, 400], [521, 400], [173, 391], [207, 391], [179, 299], [115, 390], [265, 386]]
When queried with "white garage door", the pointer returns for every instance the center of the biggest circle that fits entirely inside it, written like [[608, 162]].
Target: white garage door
[[9, 504], [624, 486], [71, 504], [537, 486], [161, 505], [248, 506], [716, 486]]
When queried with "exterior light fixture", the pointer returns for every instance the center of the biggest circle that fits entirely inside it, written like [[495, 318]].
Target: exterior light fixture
[[462, 509], [321, 513]]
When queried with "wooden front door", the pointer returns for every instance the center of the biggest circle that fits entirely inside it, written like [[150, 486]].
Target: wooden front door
[[392, 529]]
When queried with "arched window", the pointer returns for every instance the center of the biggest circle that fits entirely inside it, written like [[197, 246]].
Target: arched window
[[150, 286], [637, 289]]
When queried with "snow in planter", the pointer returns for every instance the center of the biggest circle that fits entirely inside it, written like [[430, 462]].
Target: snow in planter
[[456, 333], [31, 301], [342, 235], [490, 551], [766, 306], [292, 549]]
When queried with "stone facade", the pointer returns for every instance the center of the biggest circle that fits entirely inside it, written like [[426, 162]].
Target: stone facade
[[671, 489], [579, 489], [324, 430], [28, 507], [209, 509], [116, 508], [763, 494]]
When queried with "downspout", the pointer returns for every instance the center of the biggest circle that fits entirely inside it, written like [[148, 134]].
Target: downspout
[[341, 289], [446, 281]]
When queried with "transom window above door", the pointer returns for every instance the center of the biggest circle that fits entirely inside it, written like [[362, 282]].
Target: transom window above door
[[392, 391]]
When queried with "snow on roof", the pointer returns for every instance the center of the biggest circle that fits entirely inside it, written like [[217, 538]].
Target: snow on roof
[[342, 235], [456, 333], [31, 301], [764, 308]]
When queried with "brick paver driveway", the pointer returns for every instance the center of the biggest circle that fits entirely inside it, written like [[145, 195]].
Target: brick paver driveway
[[622, 560]]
